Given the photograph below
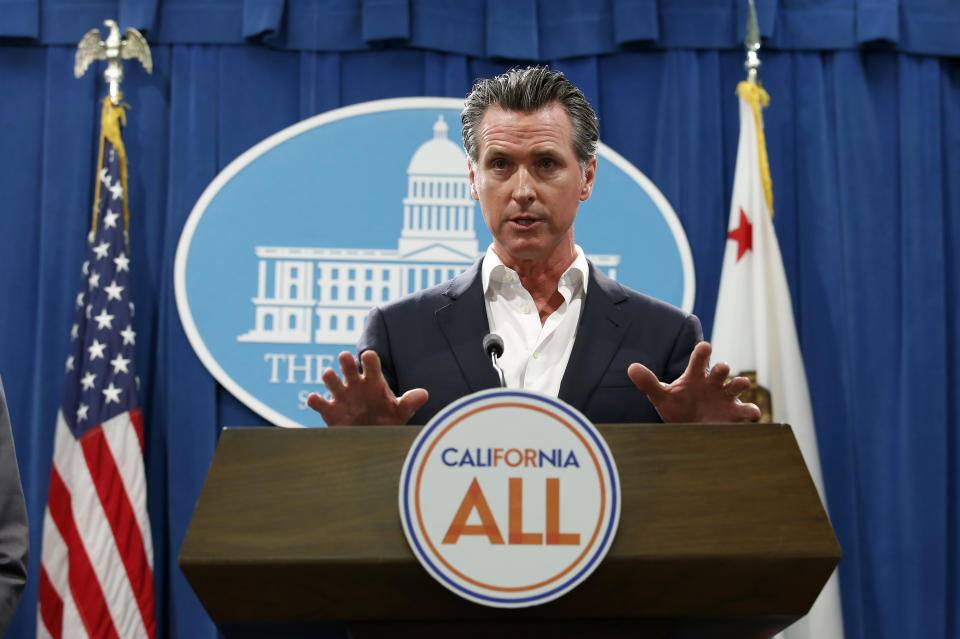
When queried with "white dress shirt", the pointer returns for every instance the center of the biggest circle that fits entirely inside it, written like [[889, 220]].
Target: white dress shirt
[[535, 355]]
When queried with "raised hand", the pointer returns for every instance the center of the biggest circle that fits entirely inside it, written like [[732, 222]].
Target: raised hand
[[699, 395], [363, 398]]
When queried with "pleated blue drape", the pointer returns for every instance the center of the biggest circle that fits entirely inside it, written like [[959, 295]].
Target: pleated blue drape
[[863, 133]]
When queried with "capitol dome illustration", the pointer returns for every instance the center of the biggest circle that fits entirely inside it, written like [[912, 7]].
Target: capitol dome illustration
[[438, 211], [440, 156], [323, 295]]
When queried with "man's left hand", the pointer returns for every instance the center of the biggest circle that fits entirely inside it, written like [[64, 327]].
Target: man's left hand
[[699, 395]]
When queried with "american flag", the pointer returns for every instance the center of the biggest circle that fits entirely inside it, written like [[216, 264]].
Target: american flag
[[96, 576]]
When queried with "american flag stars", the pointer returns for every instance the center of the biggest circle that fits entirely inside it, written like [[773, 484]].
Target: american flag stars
[[119, 364], [100, 371], [101, 250], [110, 219], [104, 320], [113, 291], [112, 394], [96, 349]]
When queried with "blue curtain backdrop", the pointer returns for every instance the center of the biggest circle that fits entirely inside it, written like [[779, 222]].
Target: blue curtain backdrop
[[863, 133]]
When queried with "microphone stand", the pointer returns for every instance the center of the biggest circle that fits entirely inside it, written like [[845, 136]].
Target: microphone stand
[[493, 345]]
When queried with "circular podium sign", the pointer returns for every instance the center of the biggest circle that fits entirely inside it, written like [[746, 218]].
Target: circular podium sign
[[509, 498]]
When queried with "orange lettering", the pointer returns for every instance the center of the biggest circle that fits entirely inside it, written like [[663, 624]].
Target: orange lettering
[[529, 457], [473, 500], [516, 534], [554, 536]]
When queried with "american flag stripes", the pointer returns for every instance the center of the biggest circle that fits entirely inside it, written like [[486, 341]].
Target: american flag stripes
[[96, 576]]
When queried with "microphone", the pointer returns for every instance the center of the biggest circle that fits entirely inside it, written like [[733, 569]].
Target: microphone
[[493, 346]]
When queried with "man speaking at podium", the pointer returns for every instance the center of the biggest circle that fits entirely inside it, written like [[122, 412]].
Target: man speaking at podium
[[569, 330]]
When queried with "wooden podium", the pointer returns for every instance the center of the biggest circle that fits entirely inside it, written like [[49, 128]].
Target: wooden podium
[[722, 534]]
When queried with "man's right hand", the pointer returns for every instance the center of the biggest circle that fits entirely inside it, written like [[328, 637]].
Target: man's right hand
[[362, 399]]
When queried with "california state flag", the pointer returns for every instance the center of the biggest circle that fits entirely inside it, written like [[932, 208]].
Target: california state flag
[[754, 331]]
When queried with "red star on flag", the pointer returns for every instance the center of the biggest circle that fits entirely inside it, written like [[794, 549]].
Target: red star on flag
[[743, 235]]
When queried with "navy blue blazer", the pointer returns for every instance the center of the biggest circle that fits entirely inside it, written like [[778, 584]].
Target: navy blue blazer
[[433, 339]]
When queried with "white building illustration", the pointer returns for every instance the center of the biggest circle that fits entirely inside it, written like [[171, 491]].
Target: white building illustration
[[323, 295]]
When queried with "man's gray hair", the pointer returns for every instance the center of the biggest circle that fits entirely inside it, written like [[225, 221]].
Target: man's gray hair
[[528, 90]]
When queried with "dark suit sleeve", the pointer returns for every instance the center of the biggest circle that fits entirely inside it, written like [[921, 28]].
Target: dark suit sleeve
[[689, 335], [376, 338], [13, 523]]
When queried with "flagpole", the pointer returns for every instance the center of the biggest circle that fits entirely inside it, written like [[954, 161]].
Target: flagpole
[[752, 44], [113, 117], [751, 91], [754, 329], [96, 563]]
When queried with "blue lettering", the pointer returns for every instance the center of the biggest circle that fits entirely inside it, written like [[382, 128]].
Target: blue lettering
[[553, 458], [571, 460], [480, 459], [467, 460], [444, 456]]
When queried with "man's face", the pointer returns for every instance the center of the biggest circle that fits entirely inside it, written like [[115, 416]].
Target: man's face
[[529, 183]]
